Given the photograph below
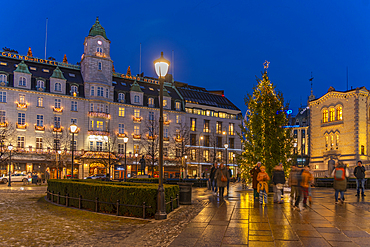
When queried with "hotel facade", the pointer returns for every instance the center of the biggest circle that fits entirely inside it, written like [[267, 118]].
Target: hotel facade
[[41, 98]]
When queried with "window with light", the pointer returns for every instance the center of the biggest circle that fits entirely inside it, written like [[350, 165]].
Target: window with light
[[137, 130], [339, 113], [121, 112], [137, 113], [325, 116], [151, 102], [332, 114]]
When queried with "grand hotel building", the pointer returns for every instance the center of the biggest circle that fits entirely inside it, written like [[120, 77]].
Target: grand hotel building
[[39, 99]]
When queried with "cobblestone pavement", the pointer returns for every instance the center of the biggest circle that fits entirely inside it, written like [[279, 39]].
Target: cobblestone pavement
[[239, 221], [26, 219]]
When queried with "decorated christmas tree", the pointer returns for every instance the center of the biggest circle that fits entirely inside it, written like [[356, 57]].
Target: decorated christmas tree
[[263, 135]]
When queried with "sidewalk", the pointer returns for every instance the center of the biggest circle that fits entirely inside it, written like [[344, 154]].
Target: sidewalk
[[238, 221]]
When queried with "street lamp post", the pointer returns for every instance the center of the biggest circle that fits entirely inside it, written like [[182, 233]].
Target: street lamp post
[[226, 146], [10, 148], [125, 140], [186, 167], [200, 166], [136, 154], [161, 68], [73, 129], [59, 152]]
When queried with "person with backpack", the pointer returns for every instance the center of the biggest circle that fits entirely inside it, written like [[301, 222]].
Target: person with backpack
[[360, 178], [222, 177], [340, 173], [307, 179], [262, 186], [278, 179], [254, 172]]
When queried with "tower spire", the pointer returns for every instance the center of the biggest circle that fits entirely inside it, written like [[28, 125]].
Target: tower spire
[[311, 97]]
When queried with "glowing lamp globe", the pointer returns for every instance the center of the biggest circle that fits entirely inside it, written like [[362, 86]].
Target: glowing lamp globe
[[161, 66], [73, 128], [226, 146], [125, 139], [10, 147]]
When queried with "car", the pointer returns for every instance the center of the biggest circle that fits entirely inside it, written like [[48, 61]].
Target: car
[[18, 177], [96, 176]]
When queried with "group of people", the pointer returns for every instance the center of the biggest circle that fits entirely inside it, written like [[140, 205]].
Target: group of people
[[220, 178], [300, 181]]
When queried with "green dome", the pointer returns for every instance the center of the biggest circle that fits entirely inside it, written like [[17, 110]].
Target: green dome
[[97, 29]]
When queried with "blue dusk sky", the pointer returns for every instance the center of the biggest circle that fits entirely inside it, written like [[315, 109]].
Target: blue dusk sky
[[217, 44]]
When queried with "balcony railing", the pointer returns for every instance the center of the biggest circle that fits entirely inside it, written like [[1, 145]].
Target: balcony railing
[[60, 129], [98, 132], [167, 122], [100, 54], [41, 89], [99, 114], [136, 136], [151, 137], [21, 126], [121, 135], [137, 119], [58, 110], [3, 124], [74, 94], [178, 139], [166, 139], [39, 128], [21, 105]]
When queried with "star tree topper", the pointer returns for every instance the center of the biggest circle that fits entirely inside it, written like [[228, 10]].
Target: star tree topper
[[266, 64]]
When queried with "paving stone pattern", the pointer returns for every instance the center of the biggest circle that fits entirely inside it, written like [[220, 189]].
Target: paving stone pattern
[[238, 220]]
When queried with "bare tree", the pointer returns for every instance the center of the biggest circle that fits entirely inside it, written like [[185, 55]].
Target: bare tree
[[181, 144], [150, 142]]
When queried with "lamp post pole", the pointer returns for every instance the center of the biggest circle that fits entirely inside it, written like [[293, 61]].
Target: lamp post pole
[[161, 67], [136, 154], [73, 129], [125, 140], [226, 146], [58, 155], [10, 147], [200, 166]]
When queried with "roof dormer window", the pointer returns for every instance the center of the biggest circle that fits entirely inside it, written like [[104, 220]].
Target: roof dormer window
[[58, 87], [22, 81], [137, 99], [74, 90], [121, 97]]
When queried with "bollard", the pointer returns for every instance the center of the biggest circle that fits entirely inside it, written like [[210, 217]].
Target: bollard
[[52, 196], [144, 210], [67, 200], [96, 204], [79, 201], [171, 203], [117, 207], [58, 199]]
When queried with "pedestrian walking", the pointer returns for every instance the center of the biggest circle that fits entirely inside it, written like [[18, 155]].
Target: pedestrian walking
[[228, 180], [278, 179], [293, 183], [262, 186], [340, 173], [254, 173], [307, 179], [222, 177], [212, 177], [360, 178]]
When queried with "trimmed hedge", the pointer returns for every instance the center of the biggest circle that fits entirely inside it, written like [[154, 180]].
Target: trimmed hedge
[[147, 180], [127, 193]]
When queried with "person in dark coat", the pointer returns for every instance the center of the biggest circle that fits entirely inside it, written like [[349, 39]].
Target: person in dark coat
[[278, 179], [360, 178], [228, 181], [340, 184], [254, 172], [212, 178], [222, 171]]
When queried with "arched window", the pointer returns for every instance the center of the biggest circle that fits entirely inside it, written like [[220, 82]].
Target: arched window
[[326, 142], [99, 66], [339, 113], [332, 114], [151, 102], [99, 49], [22, 81], [331, 142], [40, 84], [137, 99], [337, 141], [121, 97], [74, 90], [58, 87], [3, 78], [325, 116]]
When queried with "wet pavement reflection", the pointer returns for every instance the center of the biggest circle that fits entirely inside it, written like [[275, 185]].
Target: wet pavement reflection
[[238, 220]]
